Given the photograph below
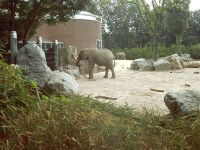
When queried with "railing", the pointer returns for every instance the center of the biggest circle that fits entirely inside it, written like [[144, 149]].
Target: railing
[[51, 53], [50, 48]]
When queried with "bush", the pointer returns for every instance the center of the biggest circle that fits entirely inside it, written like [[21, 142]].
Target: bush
[[194, 51], [135, 53], [146, 52]]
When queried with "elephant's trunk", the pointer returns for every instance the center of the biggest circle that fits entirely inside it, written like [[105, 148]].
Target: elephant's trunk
[[78, 65]]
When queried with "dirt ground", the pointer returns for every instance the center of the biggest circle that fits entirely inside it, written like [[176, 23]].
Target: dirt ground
[[133, 87]]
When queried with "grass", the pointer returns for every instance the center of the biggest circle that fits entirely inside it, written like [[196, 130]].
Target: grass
[[31, 119]]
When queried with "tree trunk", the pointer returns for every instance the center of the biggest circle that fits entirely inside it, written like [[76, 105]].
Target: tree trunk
[[178, 42], [155, 47], [32, 19]]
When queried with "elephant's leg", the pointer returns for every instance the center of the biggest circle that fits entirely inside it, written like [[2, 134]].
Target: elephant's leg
[[90, 66], [113, 73], [106, 73]]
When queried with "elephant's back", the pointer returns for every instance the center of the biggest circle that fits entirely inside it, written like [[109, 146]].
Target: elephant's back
[[104, 57]]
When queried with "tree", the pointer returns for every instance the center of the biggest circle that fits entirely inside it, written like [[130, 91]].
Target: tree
[[152, 19], [25, 16], [122, 26], [177, 15], [192, 33]]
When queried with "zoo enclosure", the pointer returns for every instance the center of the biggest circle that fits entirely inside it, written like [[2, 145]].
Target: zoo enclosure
[[50, 49]]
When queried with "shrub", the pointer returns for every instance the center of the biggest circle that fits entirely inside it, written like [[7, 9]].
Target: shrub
[[194, 51], [163, 51], [135, 53]]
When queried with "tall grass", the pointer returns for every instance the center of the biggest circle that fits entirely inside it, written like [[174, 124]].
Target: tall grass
[[32, 119]]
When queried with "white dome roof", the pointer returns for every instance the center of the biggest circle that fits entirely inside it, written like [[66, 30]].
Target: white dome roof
[[86, 16]]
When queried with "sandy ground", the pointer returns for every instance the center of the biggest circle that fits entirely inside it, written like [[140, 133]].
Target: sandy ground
[[133, 87]]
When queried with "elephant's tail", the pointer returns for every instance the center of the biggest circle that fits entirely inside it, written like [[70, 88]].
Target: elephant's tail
[[114, 60]]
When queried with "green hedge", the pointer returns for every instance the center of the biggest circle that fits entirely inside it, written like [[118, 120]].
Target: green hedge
[[146, 52]]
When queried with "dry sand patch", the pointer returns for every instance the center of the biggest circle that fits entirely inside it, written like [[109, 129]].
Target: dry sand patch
[[133, 87]]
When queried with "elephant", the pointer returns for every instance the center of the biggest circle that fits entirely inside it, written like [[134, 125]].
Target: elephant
[[102, 57], [120, 55]]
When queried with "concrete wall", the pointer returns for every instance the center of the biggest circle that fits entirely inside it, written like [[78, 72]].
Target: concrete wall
[[79, 33]]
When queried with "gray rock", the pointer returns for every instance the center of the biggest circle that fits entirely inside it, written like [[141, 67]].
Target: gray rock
[[71, 70], [136, 63], [146, 65], [192, 64], [182, 102], [32, 60], [186, 57], [162, 65], [61, 83], [176, 61]]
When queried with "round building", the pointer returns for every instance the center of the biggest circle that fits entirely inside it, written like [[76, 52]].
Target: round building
[[83, 31]]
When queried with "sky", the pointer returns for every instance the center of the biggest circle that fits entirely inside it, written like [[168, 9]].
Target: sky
[[194, 5]]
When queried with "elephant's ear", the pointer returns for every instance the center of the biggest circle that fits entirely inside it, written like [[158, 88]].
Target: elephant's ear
[[83, 55], [86, 55]]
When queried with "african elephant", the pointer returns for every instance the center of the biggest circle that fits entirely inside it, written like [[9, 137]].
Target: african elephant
[[102, 57], [120, 55]]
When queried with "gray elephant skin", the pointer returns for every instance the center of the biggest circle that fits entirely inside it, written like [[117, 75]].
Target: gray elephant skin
[[102, 57], [120, 55]]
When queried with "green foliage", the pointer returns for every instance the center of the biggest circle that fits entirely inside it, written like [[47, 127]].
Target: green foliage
[[146, 52], [32, 13], [1, 49], [123, 26], [134, 53], [16, 95], [192, 34], [177, 15], [31, 119], [194, 51], [135, 24]]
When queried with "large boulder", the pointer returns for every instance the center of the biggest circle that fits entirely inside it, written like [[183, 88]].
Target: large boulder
[[71, 70], [162, 65], [192, 64], [61, 83], [31, 58], [186, 57], [142, 64], [147, 65], [182, 102], [136, 63], [176, 61]]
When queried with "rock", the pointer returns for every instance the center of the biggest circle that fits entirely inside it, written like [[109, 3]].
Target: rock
[[136, 63], [162, 65], [186, 57], [142, 64], [176, 61], [182, 102], [147, 65], [61, 83], [31, 58], [71, 70], [192, 64]]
